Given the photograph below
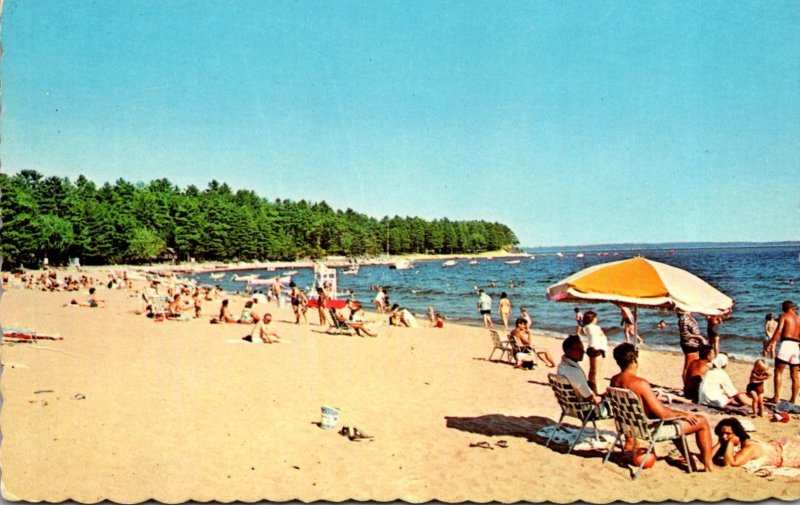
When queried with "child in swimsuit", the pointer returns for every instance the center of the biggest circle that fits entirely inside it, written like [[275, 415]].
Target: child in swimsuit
[[755, 388]]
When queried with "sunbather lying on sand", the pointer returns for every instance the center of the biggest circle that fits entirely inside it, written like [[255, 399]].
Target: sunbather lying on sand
[[91, 301], [734, 447]]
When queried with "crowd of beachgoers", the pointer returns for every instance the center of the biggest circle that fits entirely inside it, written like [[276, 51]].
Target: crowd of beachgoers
[[706, 391]]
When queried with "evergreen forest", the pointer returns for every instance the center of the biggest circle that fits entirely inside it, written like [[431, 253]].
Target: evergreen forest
[[57, 219]]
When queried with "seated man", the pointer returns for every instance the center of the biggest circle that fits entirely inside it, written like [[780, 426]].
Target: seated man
[[570, 369], [627, 357], [262, 332], [523, 336], [696, 371], [717, 389], [180, 307]]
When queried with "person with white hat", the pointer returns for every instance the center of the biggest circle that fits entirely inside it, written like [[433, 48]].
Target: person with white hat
[[717, 389]]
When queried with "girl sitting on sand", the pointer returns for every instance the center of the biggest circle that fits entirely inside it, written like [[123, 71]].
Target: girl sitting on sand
[[755, 388]]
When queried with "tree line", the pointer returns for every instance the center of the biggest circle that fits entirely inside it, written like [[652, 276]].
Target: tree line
[[54, 218]]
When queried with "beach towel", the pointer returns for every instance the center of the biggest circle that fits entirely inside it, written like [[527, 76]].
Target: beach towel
[[25, 335], [590, 440], [697, 407], [787, 406], [770, 471]]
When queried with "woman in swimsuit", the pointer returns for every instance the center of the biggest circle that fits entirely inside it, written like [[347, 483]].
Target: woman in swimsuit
[[735, 448], [299, 303], [504, 307]]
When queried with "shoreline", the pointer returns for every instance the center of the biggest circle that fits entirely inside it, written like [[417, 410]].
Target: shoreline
[[330, 262], [130, 409]]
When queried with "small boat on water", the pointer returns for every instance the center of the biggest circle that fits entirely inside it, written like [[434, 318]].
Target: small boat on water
[[560, 255], [289, 273], [286, 279], [512, 262], [401, 265], [473, 262], [450, 263], [533, 258], [351, 270], [244, 278], [217, 276], [580, 255]]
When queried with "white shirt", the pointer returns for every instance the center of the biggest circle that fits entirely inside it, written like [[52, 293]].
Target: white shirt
[[716, 389], [597, 338], [573, 372], [485, 302]]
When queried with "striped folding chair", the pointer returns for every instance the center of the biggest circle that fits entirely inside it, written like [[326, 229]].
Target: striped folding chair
[[632, 423], [572, 406]]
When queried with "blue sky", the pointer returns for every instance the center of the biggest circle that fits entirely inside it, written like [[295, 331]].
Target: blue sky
[[572, 122]]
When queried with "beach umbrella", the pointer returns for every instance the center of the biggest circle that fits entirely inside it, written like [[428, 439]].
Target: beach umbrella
[[639, 282]]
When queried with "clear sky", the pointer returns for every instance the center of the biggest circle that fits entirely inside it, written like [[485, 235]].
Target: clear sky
[[571, 122]]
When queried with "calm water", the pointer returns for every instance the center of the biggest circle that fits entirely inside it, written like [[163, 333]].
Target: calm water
[[758, 279]]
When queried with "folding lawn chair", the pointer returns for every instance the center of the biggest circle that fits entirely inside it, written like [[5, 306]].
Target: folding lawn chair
[[632, 423], [337, 326], [572, 406], [505, 347]]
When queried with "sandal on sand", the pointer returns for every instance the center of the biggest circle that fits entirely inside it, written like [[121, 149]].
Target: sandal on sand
[[502, 443], [359, 435], [483, 445], [345, 432]]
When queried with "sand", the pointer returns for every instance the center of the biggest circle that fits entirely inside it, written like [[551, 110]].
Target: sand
[[128, 409]]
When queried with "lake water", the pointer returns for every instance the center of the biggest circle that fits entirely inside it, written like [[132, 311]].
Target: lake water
[[759, 279]]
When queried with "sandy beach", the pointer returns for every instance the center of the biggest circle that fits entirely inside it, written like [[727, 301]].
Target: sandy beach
[[128, 409]]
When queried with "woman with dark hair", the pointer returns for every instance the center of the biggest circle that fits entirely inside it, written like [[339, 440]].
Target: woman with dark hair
[[735, 448]]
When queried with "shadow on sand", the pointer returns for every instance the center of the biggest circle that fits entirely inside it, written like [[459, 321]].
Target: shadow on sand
[[492, 425]]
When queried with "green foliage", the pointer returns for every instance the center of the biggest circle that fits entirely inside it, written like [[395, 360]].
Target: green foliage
[[145, 245], [120, 222]]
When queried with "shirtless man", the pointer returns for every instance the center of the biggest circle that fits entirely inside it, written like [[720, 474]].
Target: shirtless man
[[627, 357], [788, 350], [522, 334], [696, 371], [262, 331]]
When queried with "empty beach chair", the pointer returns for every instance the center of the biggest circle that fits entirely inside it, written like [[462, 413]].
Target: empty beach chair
[[505, 347]]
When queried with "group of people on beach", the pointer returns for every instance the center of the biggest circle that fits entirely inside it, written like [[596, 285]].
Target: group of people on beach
[[734, 446], [705, 382]]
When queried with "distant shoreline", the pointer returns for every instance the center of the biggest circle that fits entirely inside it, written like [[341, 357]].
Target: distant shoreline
[[633, 246], [330, 261]]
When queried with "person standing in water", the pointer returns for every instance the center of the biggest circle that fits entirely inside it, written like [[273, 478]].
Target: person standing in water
[[485, 308]]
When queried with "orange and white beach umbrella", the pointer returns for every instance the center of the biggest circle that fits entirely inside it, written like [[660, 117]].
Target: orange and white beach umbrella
[[642, 283]]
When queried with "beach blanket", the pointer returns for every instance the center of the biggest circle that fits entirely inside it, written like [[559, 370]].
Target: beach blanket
[[770, 471], [697, 407], [787, 406], [25, 335], [602, 440]]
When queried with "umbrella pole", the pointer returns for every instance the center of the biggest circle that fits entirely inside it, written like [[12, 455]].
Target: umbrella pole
[[636, 325]]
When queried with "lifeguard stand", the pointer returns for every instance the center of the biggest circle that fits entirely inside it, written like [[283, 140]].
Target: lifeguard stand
[[325, 278]]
